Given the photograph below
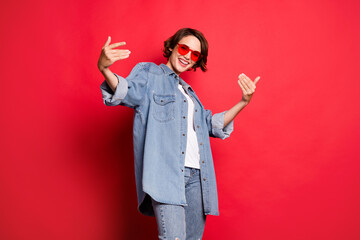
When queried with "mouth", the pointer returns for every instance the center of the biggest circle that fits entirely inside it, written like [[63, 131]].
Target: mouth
[[183, 62]]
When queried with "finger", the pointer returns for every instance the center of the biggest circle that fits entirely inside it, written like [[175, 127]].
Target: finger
[[118, 44], [245, 91], [119, 51], [246, 77], [121, 57], [107, 41], [256, 80], [246, 86], [243, 74], [251, 86], [249, 83], [243, 88]]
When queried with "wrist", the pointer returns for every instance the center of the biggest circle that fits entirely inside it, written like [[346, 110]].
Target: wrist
[[245, 102], [103, 69]]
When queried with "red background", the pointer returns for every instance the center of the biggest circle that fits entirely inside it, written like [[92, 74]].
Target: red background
[[290, 170]]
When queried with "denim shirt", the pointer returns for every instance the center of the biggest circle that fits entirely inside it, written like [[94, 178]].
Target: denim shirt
[[159, 135]]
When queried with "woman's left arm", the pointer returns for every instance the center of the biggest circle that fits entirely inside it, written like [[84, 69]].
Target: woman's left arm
[[248, 88]]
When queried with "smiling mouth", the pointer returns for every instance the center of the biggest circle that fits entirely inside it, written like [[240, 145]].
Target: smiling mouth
[[183, 63]]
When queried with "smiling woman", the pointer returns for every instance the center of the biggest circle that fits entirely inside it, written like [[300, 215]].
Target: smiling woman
[[194, 37], [174, 170], [182, 58]]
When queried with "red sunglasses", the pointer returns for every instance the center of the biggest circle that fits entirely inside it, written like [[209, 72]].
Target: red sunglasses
[[184, 49]]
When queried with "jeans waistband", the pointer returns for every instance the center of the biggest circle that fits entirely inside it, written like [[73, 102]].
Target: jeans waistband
[[191, 171]]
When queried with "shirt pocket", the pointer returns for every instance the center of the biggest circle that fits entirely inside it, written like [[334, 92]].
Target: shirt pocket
[[164, 107]]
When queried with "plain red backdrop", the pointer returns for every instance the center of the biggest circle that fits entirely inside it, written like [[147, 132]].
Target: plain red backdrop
[[289, 171]]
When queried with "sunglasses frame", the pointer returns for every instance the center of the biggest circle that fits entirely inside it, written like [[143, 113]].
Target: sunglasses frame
[[193, 57]]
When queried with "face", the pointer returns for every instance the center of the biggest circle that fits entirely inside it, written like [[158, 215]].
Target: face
[[181, 63]]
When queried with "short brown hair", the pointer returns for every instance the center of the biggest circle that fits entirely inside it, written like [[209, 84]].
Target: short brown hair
[[175, 39]]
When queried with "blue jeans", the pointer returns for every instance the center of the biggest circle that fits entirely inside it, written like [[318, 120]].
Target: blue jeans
[[183, 222]]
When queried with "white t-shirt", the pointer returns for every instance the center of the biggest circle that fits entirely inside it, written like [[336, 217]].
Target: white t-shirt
[[192, 156]]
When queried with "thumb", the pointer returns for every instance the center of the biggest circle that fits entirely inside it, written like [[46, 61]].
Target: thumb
[[107, 42], [256, 80]]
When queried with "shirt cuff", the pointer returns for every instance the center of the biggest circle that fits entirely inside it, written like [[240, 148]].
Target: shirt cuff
[[111, 98], [218, 129]]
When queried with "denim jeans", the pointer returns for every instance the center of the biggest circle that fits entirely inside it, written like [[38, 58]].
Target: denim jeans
[[183, 222]]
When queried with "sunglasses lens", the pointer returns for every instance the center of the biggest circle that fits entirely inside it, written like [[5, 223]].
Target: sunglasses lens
[[195, 56], [183, 49]]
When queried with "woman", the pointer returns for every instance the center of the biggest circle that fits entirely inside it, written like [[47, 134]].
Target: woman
[[174, 169]]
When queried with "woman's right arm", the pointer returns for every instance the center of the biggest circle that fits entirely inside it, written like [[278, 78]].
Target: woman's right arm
[[108, 56]]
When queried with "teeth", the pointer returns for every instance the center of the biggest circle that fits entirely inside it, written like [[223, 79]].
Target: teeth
[[182, 61]]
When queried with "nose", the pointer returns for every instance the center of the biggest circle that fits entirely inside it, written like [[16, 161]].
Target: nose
[[188, 55]]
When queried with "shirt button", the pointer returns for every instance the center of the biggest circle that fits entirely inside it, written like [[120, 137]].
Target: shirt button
[[203, 161], [197, 126], [183, 134], [182, 170], [184, 100], [195, 110], [183, 117], [204, 179], [182, 152], [201, 144]]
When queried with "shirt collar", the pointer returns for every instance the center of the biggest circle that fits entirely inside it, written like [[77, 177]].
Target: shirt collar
[[185, 85], [169, 72]]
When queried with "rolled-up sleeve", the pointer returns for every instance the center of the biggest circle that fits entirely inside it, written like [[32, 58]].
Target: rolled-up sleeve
[[111, 98], [129, 91], [216, 127]]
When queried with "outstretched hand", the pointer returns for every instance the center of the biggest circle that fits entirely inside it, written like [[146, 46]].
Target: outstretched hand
[[247, 86], [109, 54]]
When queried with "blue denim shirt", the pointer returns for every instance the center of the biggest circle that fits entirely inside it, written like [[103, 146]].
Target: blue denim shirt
[[159, 135]]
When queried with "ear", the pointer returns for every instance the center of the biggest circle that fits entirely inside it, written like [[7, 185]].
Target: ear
[[170, 49]]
